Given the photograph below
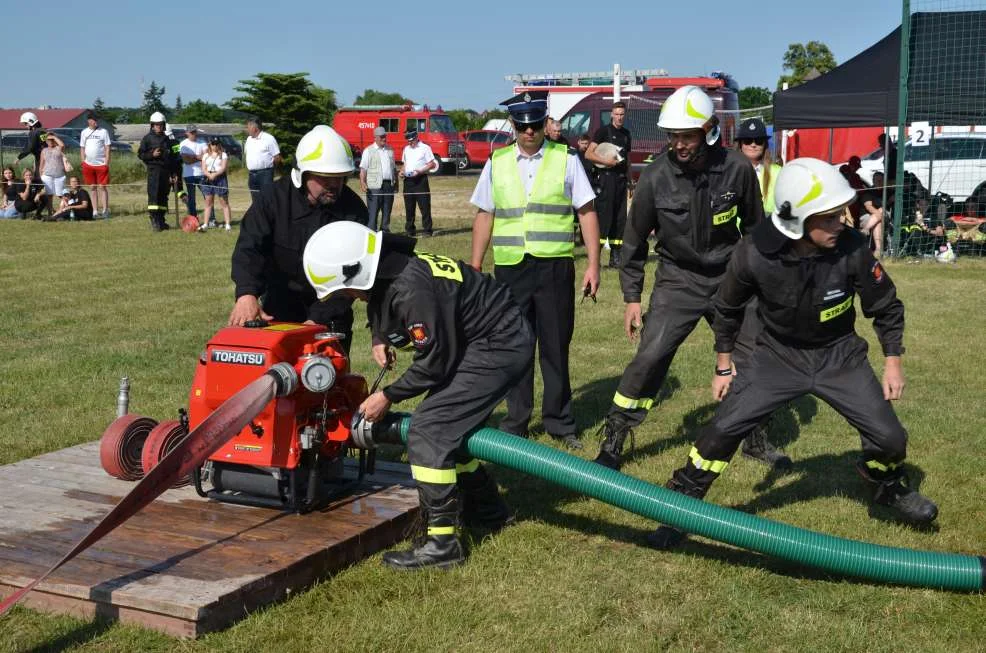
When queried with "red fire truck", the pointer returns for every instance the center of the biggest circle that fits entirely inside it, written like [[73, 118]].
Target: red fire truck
[[435, 128], [582, 101]]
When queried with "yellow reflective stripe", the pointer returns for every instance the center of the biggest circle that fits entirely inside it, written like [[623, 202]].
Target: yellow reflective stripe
[[432, 475], [315, 154], [441, 266], [616, 242], [714, 466], [155, 207], [371, 243], [467, 468], [873, 464], [632, 404], [835, 311], [813, 192], [441, 530], [724, 217]]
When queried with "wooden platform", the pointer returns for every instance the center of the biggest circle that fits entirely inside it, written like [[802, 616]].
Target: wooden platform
[[184, 565]]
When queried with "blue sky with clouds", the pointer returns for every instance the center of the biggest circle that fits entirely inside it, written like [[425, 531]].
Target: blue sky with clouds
[[450, 53]]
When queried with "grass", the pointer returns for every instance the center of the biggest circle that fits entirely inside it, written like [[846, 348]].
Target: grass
[[86, 303]]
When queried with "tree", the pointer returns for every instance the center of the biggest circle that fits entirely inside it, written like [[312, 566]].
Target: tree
[[753, 97], [465, 119], [153, 100], [288, 103], [801, 59], [178, 105], [199, 111], [98, 106], [372, 96]]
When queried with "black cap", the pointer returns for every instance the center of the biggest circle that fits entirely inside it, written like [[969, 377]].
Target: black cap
[[91, 115], [411, 133], [527, 107], [751, 128]]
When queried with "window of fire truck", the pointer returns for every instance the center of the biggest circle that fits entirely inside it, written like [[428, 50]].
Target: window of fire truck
[[441, 125]]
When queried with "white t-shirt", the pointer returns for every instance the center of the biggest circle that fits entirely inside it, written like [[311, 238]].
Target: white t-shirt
[[196, 149], [260, 151], [577, 186], [213, 162], [416, 157], [94, 142]]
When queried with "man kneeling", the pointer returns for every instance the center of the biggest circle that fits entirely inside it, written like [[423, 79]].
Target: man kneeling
[[471, 345], [805, 269]]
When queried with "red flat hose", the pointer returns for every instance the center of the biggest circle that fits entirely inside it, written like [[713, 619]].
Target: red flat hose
[[227, 420]]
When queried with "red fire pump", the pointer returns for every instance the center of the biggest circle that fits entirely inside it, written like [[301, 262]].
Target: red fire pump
[[291, 455]]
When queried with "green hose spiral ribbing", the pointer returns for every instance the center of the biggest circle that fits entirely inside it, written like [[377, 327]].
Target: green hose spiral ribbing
[[828, 552]]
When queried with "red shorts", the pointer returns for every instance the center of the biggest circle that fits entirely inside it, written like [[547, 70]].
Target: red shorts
[[99, 175]]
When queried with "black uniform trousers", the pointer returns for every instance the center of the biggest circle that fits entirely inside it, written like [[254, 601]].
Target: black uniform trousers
[[488, 369], [544, 288], [611, 206], [839, 374], [681, 298], [158, 190], [417, 193]]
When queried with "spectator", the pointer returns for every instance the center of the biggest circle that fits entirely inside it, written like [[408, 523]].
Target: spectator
[[552, 132], [870, 220], [889, 161], [95, 156], [262, 155], [191, 150], [378, 179], [418, 161], [215, 184], [35, 140], [8, 193], [30, 195], [76, 203], [53, 170], [751, 142]]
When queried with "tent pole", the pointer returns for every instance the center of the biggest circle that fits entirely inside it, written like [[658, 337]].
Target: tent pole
[[905, 66]]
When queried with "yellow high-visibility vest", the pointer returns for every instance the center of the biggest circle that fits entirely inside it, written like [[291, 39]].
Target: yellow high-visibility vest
[[541, 225]]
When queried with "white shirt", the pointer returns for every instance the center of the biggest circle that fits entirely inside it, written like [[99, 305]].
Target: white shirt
[[196, 149], [94, 142], [386, 160], [260, 151], [577, 186], [416, 157], [212, 162]]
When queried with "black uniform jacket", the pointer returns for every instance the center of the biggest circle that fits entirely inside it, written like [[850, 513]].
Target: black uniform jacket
[[36, 137], [807, 302], [149, 142], [267, 257], [436, 306], [698, 217]]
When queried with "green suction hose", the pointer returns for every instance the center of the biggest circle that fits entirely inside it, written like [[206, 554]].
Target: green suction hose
[[848, 557]]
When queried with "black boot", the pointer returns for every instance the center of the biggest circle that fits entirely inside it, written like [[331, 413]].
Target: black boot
[[155, 225], [758, 447], [611, 450], [615, 256], [440, 547], [668, 537], [891, 489], [482, 506]]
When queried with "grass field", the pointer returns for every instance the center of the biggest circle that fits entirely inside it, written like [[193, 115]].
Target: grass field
[[86, 303]]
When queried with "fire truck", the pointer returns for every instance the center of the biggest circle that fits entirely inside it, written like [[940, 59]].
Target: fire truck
[[434, 126], [582, 102]]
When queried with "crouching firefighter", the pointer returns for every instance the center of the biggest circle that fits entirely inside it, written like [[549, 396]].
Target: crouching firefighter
[[471, 345], [805, 269]]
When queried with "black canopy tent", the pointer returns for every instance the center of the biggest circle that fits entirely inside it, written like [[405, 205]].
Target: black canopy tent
[[946, 83]]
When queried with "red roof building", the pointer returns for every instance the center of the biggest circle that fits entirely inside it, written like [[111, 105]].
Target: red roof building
[[51, 118]]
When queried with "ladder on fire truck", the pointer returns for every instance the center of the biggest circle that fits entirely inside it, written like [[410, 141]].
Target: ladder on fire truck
[[634, 77]]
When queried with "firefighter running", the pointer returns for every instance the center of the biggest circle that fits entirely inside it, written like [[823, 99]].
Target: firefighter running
[[159, 152], [806, 268], [471, 345], [699, 199]]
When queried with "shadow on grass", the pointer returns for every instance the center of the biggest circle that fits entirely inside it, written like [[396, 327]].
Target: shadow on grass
[[81, 635]]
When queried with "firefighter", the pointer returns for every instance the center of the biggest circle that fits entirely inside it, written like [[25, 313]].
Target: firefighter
[[36, 136], [805, 267], [471, 345], [525, 196], [157, 151], [267, 257], [698, 198]]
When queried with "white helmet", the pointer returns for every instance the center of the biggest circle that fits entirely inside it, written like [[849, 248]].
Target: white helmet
[[690, 108], [806, 187], [341, 255], [324, 151], [29, 118], [157, 116]]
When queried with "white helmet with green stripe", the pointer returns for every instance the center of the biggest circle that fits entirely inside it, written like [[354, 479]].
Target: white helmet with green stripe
[[807, 187], [690, 108], [342, 255], [322, 151]]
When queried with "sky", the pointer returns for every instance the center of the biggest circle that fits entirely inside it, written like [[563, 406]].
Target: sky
[[455, 54]]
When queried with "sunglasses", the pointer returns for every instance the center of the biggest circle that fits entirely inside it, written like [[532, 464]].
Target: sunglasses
[[753, 141], [524, 126]]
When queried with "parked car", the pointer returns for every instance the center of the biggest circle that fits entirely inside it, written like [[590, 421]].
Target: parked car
[[231, 146], [954, 163], [480, 144]]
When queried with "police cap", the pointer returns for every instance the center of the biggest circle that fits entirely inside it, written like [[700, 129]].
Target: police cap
[[528, 107], [751, 128]]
